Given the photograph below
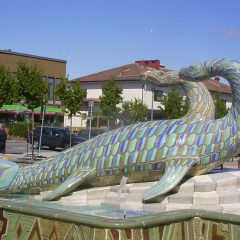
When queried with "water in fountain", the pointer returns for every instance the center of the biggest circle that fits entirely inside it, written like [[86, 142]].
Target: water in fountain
[[122, 192]]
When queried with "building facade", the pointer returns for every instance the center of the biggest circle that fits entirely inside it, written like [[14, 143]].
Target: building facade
[[128, 76], [52, 70]]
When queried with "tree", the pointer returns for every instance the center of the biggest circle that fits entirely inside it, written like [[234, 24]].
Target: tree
[[111, 96], [134, 111], [71, 95], [220, 106], [8, 87], [174, 106], [32, 88]]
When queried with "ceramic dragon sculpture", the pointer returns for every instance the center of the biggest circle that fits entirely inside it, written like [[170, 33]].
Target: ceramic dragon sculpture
[[201, 105], [143, 152]]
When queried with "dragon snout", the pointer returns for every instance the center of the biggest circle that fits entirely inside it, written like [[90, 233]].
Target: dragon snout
[[145, 76]]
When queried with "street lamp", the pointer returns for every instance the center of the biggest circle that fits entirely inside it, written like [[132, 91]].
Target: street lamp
[[90, 117], [152, 103]]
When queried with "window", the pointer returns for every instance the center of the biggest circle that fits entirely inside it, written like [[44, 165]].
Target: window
[[50, 88], [56, 97], [158, 95], [46, 131]]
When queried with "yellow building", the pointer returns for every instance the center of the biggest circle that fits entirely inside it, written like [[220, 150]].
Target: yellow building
[[52, 69]]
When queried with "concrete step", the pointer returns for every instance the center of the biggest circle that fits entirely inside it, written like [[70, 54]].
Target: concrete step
[[181, 198]]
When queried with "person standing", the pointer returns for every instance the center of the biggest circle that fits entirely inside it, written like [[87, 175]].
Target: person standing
[[3, 139]]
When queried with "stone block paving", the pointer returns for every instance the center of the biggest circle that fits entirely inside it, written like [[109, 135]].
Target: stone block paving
[[219, 192]]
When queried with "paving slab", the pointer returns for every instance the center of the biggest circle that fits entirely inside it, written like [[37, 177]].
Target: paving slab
[[202, 178], [229, 196], [225, 180], [154, 207], [187, 187], [214, 208], [201, 198], [181, 198], [231, 208], [205, 186], [173, 207]]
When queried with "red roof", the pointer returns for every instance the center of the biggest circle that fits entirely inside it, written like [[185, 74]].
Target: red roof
[[216, 86], [124, 73], [131, 72]]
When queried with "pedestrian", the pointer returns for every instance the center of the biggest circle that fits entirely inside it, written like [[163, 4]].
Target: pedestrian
[[3, 139]]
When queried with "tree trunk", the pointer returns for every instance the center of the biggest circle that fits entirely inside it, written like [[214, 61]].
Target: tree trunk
[[108, 124], [32, 134]]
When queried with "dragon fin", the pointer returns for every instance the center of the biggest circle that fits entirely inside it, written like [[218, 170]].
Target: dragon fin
[[174, 173], [70, 184]]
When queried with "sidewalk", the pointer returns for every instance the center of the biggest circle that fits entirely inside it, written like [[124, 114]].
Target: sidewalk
[[24, 159]]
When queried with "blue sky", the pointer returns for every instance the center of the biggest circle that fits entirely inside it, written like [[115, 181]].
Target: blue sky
[[96, 35]]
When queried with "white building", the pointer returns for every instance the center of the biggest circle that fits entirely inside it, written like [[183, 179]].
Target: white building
[[128, 77]]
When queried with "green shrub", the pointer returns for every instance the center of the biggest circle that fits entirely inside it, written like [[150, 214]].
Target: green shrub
[[18, 129]]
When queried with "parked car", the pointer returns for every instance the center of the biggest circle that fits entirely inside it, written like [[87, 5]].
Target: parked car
[[83, 134], [54, 137], [94, 132]]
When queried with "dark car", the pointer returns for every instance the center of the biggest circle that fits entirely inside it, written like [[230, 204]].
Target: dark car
[[93, 133], [54, 137], [83, 134]]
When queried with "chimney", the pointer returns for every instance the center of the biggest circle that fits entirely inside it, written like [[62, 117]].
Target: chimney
[[150, 63]]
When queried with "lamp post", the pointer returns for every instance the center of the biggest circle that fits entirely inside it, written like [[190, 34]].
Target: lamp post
[[90, 105], [42, 115], [152, 103]]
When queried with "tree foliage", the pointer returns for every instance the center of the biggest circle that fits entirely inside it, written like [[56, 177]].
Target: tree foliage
[[32, 88], [220, 106], [31, 85], [71, 95], [173, 106], [134, 111], [111, 96], [8, 87]]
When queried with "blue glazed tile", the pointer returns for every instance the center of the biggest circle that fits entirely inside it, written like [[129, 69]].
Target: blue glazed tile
[[234, 129], [141, 143], [191, 128], [116, 161], [200, 140], [132, 134], [151, 155], [123, 147], [107, 150], [67, 163], [151, 131], [224, 123], [208, 127], [217, 137], [161, 141], [133, 157], [215, 157], [181, 139], [193, 150], [100, 141], [171, 129], [173, 151]]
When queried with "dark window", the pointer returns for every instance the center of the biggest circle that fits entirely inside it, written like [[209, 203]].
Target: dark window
[[55, 132], [50, 88], [46, 131], [56, 97], [158, 95]]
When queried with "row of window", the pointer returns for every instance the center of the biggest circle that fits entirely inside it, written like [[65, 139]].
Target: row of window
[[53, 84]]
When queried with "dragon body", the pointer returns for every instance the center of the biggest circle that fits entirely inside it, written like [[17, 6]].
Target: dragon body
[[147, 151]]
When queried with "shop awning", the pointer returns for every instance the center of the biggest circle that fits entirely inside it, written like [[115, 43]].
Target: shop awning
[[20, 109]]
